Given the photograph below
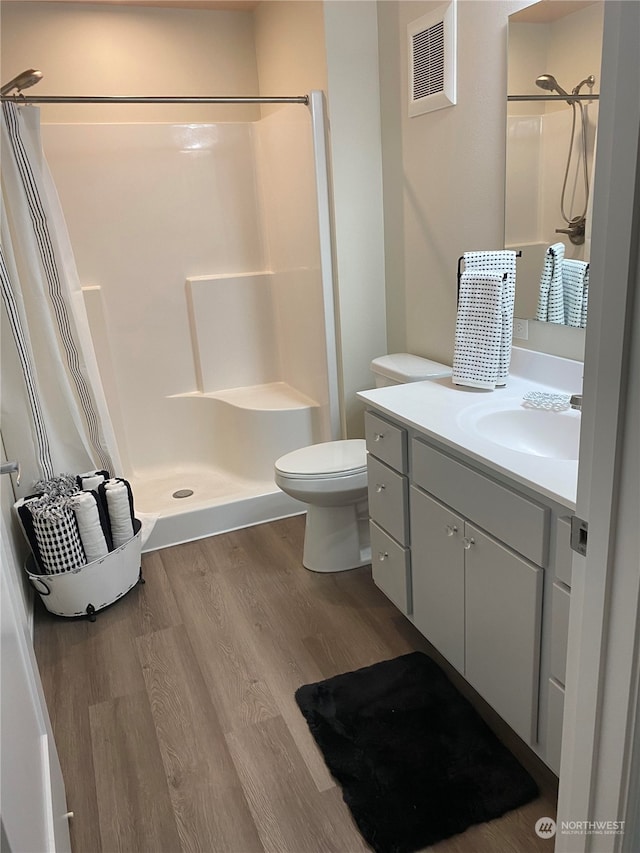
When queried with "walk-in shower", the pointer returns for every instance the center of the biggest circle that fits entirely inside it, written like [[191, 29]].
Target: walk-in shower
[[204, 255]]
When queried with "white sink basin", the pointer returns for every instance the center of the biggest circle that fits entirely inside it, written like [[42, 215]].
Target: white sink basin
[[536, 432]]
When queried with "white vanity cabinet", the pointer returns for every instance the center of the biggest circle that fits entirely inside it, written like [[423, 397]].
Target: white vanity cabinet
[[475, 550], [388, 486], [481, 566], [479, 603]]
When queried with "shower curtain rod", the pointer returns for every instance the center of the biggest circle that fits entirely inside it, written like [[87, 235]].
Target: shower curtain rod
[[128, 99], [553, 97]]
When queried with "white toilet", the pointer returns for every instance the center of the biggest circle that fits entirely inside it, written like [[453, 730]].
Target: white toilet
[[332, 479]]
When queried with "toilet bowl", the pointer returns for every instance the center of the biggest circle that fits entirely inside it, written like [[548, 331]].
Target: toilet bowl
[[331, 478]]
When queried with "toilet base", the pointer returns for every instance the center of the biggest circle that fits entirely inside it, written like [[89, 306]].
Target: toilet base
[[336, 538]]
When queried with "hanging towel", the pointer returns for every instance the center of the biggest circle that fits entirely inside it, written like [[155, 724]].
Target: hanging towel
[[57, 535], [119, 501], [499, 262], [90, 525], [477, 350], [575, 284], [550, 293], [90, 480], [585, 301]]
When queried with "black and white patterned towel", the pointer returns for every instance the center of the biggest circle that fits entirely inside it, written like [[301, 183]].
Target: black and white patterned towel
[[501, 262], [62, 486], [550, 293], [56, 532], [477, 350], [90, 480], [575, 286]]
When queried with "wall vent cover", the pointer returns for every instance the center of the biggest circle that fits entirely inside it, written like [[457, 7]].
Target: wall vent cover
[[432, 60]]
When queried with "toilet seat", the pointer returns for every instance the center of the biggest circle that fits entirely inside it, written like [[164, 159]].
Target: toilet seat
[[328, 460]]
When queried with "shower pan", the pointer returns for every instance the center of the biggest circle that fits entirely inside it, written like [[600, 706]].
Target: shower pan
[[204, 255]]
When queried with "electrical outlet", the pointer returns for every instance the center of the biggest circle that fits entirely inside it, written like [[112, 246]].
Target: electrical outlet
[[521, 329]]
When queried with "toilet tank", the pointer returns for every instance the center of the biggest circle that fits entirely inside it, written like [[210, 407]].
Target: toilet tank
[[401, 367]]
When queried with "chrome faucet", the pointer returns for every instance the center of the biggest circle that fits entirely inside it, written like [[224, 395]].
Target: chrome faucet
[[576, 402]]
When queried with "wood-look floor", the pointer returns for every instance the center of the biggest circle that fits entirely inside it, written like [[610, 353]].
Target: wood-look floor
[[174, 713]]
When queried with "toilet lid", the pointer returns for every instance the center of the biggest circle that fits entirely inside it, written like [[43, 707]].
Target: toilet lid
[[405, 367], [331, 458]]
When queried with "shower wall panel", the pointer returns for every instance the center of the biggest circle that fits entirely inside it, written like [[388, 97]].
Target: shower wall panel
[[147, 207], [524, 184], [536, 160], [285, 168]]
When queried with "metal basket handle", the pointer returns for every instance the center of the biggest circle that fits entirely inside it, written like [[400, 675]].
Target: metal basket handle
[[34, 581]]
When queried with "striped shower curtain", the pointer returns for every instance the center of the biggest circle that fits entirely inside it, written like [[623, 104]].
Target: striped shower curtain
[[54, 414]]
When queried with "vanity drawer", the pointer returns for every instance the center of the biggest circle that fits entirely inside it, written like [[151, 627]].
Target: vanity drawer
[[560, 601], [388, 499], [386, 441], [390, 568], [511, 518]]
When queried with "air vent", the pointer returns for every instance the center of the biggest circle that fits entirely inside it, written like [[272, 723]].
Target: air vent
[[428, 61], [432, 60]]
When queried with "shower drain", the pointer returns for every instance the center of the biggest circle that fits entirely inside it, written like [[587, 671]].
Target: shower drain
[[182, 493]]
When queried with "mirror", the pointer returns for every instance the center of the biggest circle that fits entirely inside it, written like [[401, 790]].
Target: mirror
[[555, 49]]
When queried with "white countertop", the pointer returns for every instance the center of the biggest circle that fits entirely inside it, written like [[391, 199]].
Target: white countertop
[[442, 410]]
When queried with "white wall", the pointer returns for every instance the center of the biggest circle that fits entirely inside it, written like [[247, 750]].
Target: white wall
[[290, 55], [351, 32], [453, 172], [290, 47], [130, 50], [333, 46]]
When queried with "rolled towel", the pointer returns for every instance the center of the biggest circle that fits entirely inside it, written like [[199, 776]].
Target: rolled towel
[[26, 521], [86, 509], [117, 494], [57, 535], [62, 486], [90, 480]]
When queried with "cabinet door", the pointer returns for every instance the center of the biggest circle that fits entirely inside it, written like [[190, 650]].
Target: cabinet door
[[502, 644], [437, 569]]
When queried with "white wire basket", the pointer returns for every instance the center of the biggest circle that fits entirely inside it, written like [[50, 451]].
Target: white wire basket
[[90, 588]]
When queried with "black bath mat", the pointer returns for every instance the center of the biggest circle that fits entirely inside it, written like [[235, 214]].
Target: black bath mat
[[415, 761]]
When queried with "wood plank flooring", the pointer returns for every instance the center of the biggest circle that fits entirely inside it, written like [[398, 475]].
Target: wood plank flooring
[[174, 713]]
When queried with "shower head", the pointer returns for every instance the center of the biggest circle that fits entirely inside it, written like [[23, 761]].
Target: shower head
[[549, 82], [590, 81], [22, 81]]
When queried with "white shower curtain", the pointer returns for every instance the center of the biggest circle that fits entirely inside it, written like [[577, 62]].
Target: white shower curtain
[[54, 414]]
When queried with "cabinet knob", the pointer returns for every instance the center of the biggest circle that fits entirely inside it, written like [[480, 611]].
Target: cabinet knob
[[451, 529], [380, 487], [378, 436], [383, 555], [468, 542]]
